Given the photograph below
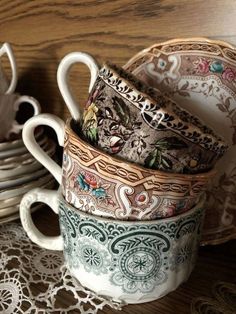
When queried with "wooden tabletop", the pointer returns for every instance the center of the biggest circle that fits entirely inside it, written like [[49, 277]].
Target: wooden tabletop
[[214, 264]]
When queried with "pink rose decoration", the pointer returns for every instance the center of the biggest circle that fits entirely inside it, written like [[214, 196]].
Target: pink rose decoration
[[202, 66], [228, 75], [91, 180]]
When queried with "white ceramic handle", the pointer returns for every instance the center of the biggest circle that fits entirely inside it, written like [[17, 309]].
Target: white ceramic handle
[[29, 140], [6, 49], [16, 127], [62, 78], [49, 198]]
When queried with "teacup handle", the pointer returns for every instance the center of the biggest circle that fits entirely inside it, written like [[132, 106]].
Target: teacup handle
[[29, 140], [62, 78], [49, 198], [6, 49], [16, 127]]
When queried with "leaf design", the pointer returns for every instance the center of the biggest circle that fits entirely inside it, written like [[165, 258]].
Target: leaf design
[[156, 160], [122, 110], [227, 103], [92, 233], [92, 135], [129, 244], [166, 162], [170, 143], [185, 86], [221, 107], [183, 93]]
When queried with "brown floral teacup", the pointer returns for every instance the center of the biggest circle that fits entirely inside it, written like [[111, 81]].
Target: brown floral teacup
[[98, 183], [126, 118]]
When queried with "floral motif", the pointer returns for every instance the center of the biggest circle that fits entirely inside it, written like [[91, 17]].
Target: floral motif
[[229, 74], [94, 259], [205, 66], [181, 253], [90, 123], [88, 182], [202, 65]]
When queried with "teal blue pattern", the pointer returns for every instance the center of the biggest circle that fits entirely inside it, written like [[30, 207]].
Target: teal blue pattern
[[137, 257]]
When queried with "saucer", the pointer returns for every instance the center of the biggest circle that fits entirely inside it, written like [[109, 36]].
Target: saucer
[[200, 75], [8, 145], [11, 212], [19, 150], [24, 167], [24, 188]]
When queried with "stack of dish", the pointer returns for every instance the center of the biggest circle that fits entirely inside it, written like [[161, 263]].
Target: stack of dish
[[20, 172]]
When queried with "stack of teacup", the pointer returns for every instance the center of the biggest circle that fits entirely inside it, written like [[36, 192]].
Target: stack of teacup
[[19, 171], [131, 202]]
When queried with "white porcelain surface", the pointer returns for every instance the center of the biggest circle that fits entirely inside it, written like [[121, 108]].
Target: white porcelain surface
[[62, 78], [19, 150], [5, 184], [26, 166], [24, 188], [8, 145], [10, 201], [33, 147], [5, 87]]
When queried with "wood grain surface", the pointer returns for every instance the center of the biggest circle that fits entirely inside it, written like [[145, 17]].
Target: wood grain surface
[[42, 32]]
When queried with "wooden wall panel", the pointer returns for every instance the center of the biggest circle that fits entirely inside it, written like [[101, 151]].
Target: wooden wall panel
[[42, 32]]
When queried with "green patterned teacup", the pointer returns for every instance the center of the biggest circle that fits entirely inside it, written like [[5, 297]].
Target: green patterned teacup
[[132, 262]]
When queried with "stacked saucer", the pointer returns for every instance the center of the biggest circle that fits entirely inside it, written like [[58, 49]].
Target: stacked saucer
[[20, 172]]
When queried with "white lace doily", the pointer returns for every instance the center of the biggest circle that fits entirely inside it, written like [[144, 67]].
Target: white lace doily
[[34, 280]]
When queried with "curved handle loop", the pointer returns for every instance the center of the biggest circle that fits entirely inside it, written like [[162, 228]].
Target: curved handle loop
[[49, 198], [6, 49], [16, 127], [62, 78], [29, 140]]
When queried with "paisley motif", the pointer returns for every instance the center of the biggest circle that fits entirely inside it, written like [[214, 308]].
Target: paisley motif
[[137, 257]]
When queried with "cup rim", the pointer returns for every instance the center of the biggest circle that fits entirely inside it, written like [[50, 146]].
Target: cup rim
[[198, 206], [217, 140], [176, 41], [175, 176]]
